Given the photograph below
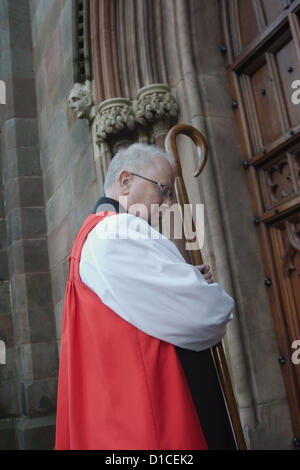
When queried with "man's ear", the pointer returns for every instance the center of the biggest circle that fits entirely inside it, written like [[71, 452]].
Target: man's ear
[[125, 178]]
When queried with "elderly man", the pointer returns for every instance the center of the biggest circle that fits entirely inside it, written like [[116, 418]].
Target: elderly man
[[136, 318]]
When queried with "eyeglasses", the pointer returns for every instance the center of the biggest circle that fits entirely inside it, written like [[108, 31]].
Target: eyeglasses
[[166, 191]]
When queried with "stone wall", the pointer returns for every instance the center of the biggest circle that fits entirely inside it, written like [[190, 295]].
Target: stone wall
[[9, 397], [29, 378], [66, 150], [49, 187]]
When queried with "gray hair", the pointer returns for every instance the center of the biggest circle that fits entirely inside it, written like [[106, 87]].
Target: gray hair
[[134, 158]]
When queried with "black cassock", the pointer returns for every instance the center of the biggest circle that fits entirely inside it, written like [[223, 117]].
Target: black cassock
[[206, 390]]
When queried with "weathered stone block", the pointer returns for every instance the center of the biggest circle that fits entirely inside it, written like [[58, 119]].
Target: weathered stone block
[[24, 192], [59, 280], [21, 162], [38, 288], [28, 256], [54, 59], [43, 27], [58, 317], [60, 204], [35, 256], [9, 399], [33, 314], [3, 13], [18, 292], [3, 241], [12, 194], [21, 132], [44, 360], [8, 440], [67, 30], [59, 242], [60, 93], [42, 323], [41, 438], [3, 265], [6, 331], [18, 13], [34, 4], [84, 173], [17, 63], [216, 95], [41, 89], [22, 331], [2, 211], [24, 363], [206, 39], [40, 18], [76, 143], [20, 34], [83, 208], [37, 361], [44, 149], [33, 223], [8, 371], [56, 137], [274, 430], [36, 434], [24, 97], [5, 300], [25, 223], [40, 397]]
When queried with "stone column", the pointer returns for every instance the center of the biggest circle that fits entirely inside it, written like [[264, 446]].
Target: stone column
[[27, 418]]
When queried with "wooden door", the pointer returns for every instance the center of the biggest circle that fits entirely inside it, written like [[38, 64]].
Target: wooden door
[[262, 45]]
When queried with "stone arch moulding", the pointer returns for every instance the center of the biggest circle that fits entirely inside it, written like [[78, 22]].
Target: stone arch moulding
[[129, 62], [128, 98]]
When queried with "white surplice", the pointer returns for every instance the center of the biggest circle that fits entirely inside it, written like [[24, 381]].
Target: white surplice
[[141, 275]]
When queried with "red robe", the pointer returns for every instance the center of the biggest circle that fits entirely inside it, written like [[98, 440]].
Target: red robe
[[119, 388]]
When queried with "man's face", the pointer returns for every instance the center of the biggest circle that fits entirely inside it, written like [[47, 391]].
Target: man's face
[[144, 198]]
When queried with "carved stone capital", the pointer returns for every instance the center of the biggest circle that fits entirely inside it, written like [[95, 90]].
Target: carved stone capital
[[82, 100], [114, 115], [154, 103]]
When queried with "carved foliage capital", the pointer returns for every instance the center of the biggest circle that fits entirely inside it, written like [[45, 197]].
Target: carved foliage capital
[[114, 115], [154, 103]]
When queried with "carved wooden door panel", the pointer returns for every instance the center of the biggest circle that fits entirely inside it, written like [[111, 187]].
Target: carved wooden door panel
[[262, 45]]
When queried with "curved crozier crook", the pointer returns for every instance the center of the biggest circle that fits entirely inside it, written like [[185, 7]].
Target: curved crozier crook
[[197, 138]]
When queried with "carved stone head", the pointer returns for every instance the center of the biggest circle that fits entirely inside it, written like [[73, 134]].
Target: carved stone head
[[80, 100]]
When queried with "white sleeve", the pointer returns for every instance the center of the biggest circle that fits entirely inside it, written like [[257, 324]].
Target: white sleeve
[[149, 284]]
